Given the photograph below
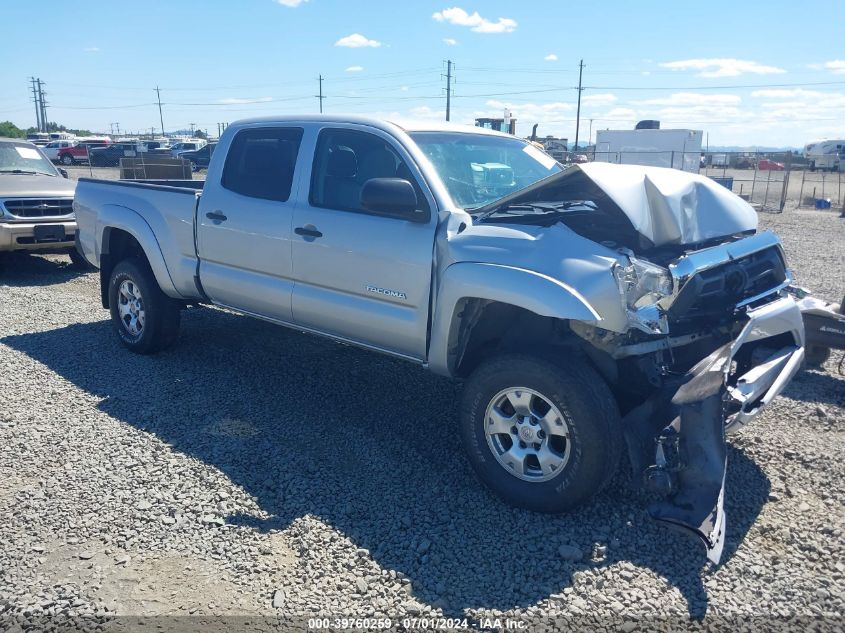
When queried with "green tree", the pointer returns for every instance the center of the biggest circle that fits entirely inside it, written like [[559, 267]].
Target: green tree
[[10, 130]]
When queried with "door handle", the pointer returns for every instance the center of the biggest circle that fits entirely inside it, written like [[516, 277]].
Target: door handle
[[217, 216], [307, 231]]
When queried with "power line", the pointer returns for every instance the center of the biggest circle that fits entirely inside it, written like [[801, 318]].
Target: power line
[[734, 87]]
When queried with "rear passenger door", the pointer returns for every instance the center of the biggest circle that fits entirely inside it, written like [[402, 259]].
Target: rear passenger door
[[359, 275], [244, 223]]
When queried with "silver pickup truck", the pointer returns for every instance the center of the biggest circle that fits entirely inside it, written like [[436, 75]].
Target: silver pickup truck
[[586, 308]]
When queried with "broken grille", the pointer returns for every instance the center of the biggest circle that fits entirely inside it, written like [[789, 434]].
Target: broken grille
[[723, 287]]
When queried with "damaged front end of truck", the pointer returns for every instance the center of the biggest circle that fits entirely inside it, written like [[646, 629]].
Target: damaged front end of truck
[[717, 336], [707, 334]]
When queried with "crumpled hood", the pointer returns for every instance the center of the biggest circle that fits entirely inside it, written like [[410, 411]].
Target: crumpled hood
[[641, 207], [35, 186], [668, 206]]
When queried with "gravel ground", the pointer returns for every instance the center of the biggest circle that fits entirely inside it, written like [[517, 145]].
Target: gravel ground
[[253, 470]]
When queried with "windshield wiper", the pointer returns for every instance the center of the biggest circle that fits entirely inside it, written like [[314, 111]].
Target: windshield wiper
[[539, 208], [28, 172]]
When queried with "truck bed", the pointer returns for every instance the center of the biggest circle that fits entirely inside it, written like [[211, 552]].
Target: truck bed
[[167, 208]]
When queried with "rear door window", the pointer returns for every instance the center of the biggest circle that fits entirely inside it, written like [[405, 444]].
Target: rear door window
[[261, 162]]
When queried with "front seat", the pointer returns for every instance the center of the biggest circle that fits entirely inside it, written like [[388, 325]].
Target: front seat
[[341, 189]]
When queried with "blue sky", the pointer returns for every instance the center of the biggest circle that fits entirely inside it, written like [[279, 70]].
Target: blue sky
[[745, 73]]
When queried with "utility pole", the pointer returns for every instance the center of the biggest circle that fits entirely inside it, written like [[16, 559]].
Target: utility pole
[[320, 96], [448, 89], [43, 104], [160, 116], [192, 128], [36, 100], [578, 113], [590, 138]]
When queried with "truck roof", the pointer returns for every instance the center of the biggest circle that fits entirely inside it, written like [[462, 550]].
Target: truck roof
[[409, 125]]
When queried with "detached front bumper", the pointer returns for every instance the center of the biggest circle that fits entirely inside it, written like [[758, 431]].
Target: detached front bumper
[[677, 438], [37, 236]]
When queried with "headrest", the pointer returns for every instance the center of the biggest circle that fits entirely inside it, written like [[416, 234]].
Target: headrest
[[342, 163], [260, 157], [378, 163]]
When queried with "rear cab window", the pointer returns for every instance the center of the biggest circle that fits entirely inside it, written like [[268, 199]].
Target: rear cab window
[[261, 162]]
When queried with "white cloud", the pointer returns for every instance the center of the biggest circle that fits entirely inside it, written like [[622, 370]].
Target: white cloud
[[92, 49], [551, 57], [238, 100], [693, 99], [356, 40], [836, 66], [459, 17], [292, 4], [354, 69], [601, 98], [450, 41], [723, 67], [785, 93]]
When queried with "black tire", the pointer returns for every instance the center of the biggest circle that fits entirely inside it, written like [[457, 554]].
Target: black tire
[[67, 159], [78, 261], [161, 313], [584, 401], [815, 355]]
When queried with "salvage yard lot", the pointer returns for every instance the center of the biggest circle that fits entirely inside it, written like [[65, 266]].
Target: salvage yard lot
[[256, 470]]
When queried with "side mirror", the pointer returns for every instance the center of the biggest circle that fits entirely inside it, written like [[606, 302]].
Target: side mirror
[[63, 172], [393, 197]]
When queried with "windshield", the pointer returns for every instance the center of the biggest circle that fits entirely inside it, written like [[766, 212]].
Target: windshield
[[478, 169], [23, 158]]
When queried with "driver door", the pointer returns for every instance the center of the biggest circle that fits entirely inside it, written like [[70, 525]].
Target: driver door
[[361, 276]]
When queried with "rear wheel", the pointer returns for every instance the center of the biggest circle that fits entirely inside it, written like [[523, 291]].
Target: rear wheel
[[145, 319], [543, 436]]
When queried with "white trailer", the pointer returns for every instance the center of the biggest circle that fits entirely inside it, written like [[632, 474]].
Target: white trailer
[[679, 149], [828, 154]]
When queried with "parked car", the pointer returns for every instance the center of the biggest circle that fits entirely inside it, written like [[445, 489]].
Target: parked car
[[79, 153], [186, 146], [36, 202], [560, 296], [765, 164], [200, 158], [110, 155], [51, 149]]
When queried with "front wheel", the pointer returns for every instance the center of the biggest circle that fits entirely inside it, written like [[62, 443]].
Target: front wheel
[[67, 159], [145, 319], [542, 435]]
